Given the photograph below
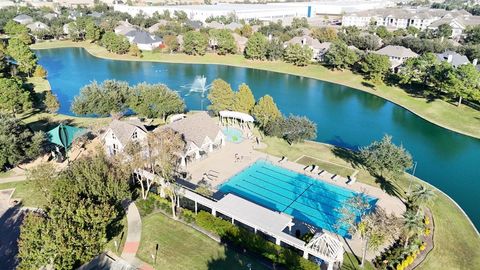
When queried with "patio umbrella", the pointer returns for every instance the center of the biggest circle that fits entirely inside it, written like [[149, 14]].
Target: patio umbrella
[[64, 135]]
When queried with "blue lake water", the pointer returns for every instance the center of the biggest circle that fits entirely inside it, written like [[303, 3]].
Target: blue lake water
[[344, 116]]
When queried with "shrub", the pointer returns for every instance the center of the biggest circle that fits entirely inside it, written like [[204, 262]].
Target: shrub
[[426, 220], [253, 242], [423, 246], [40, 72], [427, 231], [146, 207], [188, 215]]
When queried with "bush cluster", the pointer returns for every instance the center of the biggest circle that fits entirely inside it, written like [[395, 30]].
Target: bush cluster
[[253, 242]]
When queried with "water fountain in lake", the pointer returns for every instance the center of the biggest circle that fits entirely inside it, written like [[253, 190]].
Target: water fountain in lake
[[199, 85]]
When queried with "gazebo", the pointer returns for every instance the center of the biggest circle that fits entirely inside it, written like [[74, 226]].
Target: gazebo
[[227, 116], [64, 135]]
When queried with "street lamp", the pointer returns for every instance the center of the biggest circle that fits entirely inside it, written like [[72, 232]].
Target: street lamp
[[411, 178]]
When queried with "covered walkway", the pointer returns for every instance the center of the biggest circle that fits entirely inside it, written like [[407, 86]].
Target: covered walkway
[[272, 224]]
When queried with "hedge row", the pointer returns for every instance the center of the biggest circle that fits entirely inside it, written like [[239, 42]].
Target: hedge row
[[253, 242]]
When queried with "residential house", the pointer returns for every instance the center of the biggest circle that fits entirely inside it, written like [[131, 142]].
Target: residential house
[[241, 42], [397, 18], [215, 25], [120, 133], [458, 23], [233, 26], [50, 16], [397, 55], [74, 15], [201, 135], [37, 26], [319, 49], [145, 41], [123, 28], [23, 19], [196, 25], [152, 29], [455, 59]]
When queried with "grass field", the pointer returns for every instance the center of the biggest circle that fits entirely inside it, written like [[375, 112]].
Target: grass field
[[328, 166], [27, 192], [462, 119], [457, 245], [181, 247]]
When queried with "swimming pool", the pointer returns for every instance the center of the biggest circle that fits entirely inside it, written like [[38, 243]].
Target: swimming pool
[[233, 134], [303, 197]]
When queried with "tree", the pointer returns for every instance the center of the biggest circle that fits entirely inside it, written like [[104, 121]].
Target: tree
[[82, 212], [375, 67], [383, 32], [469, 79], [274, 49], [246, 30], [419, 70], [40, 72], [299, 23], [222, 40], [412, 225], [102, 99], [298, 55], [18, 31], [298, 129], [92, 31], [172, 43], [256, 47], [195, 43], [472, 34], [23, 55], [51, 102], [17, 142], [444, 30], [115, 43], [385, 158], [221, 96], [265, 111], [244, 99], [374, 227], [339, 56], [422, 196], [325, 34], [155, 101], [13, 98], [134, 50]]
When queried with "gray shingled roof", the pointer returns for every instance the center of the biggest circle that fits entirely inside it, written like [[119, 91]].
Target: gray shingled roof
[[195, 128], [123, 130], [23, 18], [142, 37], [457, 59], [396, 51], [309, 41]]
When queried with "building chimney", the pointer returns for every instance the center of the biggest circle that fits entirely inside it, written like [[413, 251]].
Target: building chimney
[[475, 61], [449, 58]]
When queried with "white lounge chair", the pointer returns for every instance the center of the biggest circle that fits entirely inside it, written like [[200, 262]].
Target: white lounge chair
[[351, 180], [321, 172]]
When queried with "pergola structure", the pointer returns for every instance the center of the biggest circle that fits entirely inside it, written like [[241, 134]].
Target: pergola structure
[[226, 117], [327, 248]]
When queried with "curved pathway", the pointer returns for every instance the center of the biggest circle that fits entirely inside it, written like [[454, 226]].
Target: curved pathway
[[134, 235]]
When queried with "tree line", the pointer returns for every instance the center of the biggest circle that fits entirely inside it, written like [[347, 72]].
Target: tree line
[[265, 111]]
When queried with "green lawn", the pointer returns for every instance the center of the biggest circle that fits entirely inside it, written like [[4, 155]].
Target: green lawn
[[26, 191], [120, 241], [462, 119], [328, 166], [457, 245], [182, 247]]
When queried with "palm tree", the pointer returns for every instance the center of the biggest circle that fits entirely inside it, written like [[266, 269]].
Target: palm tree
[[412, 225], [422, 196]]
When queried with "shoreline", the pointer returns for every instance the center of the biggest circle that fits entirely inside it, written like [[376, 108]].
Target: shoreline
[[84, 45], [111, 56]]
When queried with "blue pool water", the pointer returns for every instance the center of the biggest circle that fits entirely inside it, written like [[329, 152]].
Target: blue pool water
[[303, 197], [233, 135]]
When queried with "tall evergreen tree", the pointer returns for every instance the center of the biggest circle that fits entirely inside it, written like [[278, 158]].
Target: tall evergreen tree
[[256, 47], [244, 99], [221, 96], [265, 111]]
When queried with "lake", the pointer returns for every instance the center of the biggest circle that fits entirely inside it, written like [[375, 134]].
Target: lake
[[345, 117]]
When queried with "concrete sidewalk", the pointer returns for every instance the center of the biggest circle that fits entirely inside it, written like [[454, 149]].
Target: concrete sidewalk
[[134, 234]]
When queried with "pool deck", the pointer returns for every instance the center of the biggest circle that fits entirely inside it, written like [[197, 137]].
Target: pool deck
[[239, 156]]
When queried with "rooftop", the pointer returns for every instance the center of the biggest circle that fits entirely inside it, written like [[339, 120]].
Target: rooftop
[[456, 58], [396, 51], [123, 130]]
